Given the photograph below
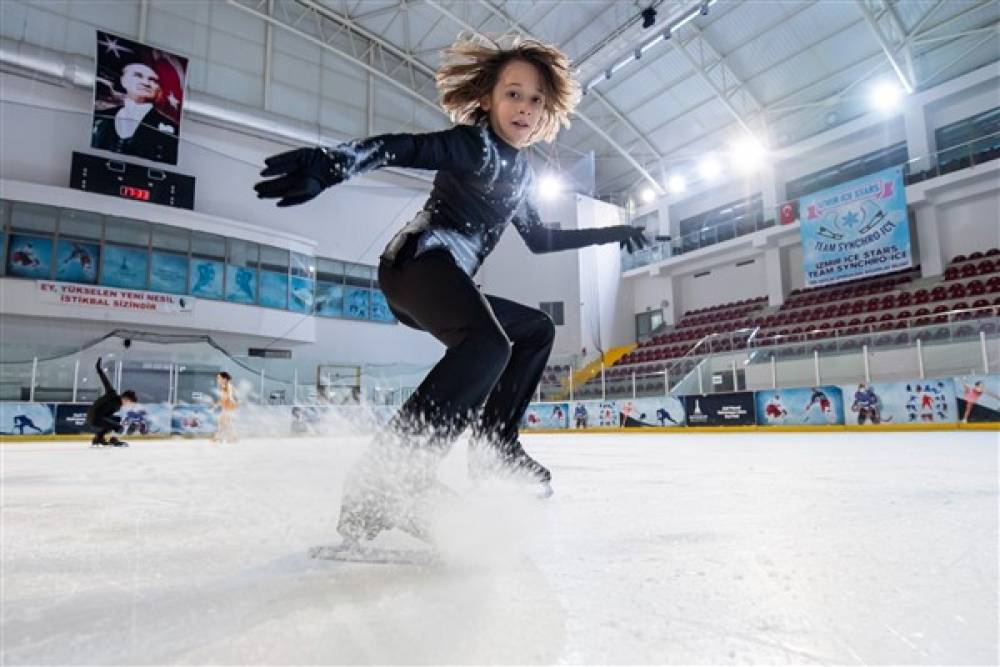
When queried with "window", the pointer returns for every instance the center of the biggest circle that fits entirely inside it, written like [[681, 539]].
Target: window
[[330, 288], [126, 261], [241, 271], [303, 283], [357, 293], [78, 249], [847, 171], [273, 277], [208, 254], [553, 309], [982, 130], [168, 271], [648, 322], [29, 248]]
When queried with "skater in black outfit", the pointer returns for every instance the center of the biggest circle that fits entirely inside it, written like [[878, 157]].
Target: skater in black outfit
[[504, 100], [101, 417]]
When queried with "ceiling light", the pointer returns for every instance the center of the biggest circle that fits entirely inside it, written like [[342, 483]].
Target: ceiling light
[[748, 154], [886, 96], [709, 168], [647, 195], [549, 186], [676, 184]]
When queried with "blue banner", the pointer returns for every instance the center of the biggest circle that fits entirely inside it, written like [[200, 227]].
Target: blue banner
[[855, 229], [206, 278], [168, 273], [815, 406], [124, 266]]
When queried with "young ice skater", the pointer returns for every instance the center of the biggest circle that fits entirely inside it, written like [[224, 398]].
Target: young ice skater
[[226, 405], [101, 417], [503, 100]]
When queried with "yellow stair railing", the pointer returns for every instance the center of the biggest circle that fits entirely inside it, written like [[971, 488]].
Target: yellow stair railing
[[583, 375]]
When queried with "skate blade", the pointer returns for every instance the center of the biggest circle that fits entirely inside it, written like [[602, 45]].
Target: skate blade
[[374, 555]]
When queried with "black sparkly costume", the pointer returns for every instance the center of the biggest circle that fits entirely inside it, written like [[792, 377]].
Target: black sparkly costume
[[496, 349]]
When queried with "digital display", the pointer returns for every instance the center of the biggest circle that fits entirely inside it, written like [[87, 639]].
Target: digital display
[[132, 192]]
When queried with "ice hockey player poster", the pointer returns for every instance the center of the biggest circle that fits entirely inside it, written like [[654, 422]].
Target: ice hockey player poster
[[855, 229], [929, 401], [546, 415], [193, 420], [978, 398], [736, 409], [138, 99], [797, 406]]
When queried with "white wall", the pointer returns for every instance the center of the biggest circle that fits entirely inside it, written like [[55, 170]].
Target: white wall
[[607, 313], [514, 273], [724, 283], [969, 225]]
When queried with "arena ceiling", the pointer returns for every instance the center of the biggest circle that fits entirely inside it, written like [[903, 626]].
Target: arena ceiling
[[782, 70]]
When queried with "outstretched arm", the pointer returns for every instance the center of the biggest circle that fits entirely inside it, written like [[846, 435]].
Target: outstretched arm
[[540, 238], [108, 388], [303, 173]]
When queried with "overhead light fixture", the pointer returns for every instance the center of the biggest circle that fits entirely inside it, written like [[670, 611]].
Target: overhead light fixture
[[549, 186], [676, 184], [748, 154], [648, 196], [648, 17], [704, 8], [709, 168], [886, 96]]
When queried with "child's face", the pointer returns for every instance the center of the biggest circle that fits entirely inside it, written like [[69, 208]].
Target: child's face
[[221, 381], [516, 103]]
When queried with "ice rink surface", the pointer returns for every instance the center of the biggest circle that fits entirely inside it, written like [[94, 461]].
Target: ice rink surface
[[839, 548]]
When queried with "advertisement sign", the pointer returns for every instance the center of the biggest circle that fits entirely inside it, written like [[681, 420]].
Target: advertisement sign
[[357, 301], [736, 409], [110, 297], [546, 415], [206, 278], [137, 419], [978, 398], [329, 299], [913, 402], [26, 419], [76, 261], [138, 99], [302, 291], [193, 420], [815, 406], [855, 229], [29, 256], [71, 418]]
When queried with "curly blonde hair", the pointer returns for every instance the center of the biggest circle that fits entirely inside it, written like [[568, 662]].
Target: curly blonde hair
[[470, 69]]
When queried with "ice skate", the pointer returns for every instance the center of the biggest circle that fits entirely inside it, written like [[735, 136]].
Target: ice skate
[[393, 485], [487, 461]]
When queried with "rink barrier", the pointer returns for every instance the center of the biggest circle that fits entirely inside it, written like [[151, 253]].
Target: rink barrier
[[911, 405]]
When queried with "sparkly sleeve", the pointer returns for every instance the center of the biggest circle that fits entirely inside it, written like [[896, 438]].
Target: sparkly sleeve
[[541, 239], [460, 148]]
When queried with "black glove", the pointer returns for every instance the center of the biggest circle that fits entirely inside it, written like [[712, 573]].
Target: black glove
[[302, 174], [631, 238]]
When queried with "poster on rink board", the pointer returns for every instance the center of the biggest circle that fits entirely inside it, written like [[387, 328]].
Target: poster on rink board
[[978, 398], [734, 409], [26, 419], [799, 406], [137, 419], [930, 401], [546, 415]]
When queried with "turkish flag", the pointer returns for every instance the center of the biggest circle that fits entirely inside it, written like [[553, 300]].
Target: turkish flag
[[789, 212]]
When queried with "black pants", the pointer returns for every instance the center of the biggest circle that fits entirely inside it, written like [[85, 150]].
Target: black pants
[[497, 350], [102, 425]]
